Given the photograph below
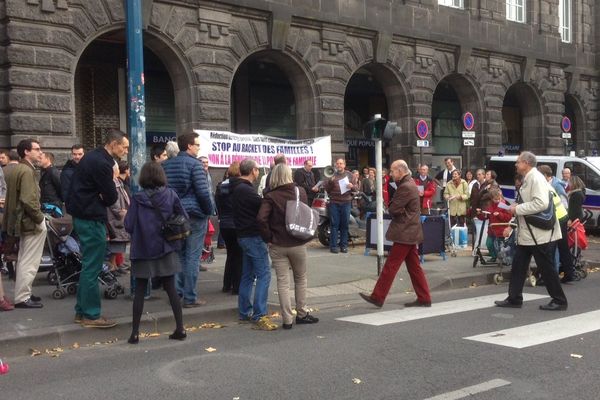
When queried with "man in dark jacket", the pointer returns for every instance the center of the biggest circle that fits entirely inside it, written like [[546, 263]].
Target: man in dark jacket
[[69, 169], [188, 178], [50, 181], [246, 203], [91, 191], [406, 232], [307, 178]]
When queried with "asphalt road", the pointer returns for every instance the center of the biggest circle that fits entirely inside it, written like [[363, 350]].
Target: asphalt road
[[334, 359]]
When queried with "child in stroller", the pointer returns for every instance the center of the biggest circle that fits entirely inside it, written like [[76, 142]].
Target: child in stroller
[[66, 261]]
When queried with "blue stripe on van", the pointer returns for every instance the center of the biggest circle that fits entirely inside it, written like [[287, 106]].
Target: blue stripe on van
[[508, 193]]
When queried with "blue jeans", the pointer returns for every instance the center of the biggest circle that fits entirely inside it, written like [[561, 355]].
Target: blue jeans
[[189, 256], [255, 265], [339, 214]]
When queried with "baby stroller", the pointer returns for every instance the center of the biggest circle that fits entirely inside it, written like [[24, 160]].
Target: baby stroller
[[66, 261], [208, 255], [578, 241]]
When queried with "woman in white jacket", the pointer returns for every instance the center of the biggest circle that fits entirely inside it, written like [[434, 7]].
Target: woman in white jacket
[[532, 241]]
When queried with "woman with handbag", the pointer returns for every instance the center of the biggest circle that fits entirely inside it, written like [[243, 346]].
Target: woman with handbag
[[285, 250], [151, 254]]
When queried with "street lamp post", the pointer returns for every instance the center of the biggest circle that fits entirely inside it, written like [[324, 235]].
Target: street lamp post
[[135, 93]]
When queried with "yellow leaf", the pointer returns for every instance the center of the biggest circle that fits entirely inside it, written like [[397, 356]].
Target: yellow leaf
[[356, 381], [210, 349], [576, 355], [155, 334], [35, 352], [75, 345]]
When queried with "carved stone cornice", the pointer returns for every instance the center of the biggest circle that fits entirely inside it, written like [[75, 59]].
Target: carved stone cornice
[[333, 41], [50, 6], [215, 23]]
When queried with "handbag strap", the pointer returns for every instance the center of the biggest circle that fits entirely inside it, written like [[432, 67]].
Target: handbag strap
[[155, 208]]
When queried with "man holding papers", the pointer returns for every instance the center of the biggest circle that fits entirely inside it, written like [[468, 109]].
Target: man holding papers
[[426, 187], [340, 187]]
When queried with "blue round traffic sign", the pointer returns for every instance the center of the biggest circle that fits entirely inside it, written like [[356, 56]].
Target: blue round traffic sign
[[422, 129], [566, 124], [468, 121]]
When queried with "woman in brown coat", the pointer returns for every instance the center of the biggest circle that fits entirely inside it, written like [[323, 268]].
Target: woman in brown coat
[[285, 250], [406, 232]]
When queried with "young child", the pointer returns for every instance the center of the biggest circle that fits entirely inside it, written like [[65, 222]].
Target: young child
[[497, 215]]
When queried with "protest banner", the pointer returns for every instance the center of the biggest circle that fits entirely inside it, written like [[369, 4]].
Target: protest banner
[[223, 148]]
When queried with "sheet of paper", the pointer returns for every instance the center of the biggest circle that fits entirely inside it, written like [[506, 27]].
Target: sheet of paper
[[503, 206], [421, 188], [344, 185]]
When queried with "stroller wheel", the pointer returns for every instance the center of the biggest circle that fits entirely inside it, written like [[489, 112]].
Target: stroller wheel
[[498, 279], [59, 294], [453, 253], [72, 289], [52, 277], [111, 294]]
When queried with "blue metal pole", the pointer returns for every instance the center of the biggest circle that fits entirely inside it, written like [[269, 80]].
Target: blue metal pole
[[135, 93]]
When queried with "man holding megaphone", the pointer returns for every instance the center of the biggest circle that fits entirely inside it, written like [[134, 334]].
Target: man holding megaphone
[[340, 187]]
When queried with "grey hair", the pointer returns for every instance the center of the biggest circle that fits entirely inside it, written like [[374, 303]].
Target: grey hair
[[528, 157], [281, 175], [246, 166], [403, 166], [172, 149]]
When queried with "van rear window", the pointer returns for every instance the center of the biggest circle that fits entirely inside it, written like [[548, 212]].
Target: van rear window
[[505, 170]]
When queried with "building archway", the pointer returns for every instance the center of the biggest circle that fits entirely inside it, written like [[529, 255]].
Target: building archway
[[574, 111], [101, 90], [272, 95], [453, 97], [372, 89], [522, 124]]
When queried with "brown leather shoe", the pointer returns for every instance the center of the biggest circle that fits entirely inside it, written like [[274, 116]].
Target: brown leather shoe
[[418, 303], [369, 299]]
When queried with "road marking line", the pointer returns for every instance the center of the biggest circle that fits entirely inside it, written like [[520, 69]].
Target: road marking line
[[542, 332], [471, 390], [436, 310]]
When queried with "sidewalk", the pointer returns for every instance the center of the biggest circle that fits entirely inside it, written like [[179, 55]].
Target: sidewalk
[[332, 279]]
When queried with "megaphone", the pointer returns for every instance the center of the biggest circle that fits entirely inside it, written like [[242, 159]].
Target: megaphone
[[328, 171]]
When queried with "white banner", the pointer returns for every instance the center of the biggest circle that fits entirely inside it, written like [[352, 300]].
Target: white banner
[[223, 148]]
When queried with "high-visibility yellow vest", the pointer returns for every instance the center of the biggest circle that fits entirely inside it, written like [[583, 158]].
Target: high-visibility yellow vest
[[561, 211]]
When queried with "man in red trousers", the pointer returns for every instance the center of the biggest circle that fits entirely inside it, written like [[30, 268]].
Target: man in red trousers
[[406, 232]]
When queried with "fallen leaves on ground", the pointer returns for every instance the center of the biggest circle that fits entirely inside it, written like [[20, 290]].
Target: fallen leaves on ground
[[210, 349], [356, 381], [75, 345], [35, 352], [573, 355]]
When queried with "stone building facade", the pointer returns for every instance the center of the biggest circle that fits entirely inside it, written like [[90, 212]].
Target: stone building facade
[[408, 46]]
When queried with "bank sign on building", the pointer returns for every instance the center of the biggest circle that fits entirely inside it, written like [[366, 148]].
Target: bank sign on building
[[309, 68]]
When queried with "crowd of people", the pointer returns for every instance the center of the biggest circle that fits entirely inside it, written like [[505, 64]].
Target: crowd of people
[[93, 189]]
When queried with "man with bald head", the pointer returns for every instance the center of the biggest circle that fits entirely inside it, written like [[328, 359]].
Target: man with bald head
[[406, 232]]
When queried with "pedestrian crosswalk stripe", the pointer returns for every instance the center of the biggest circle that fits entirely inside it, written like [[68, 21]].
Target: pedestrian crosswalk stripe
[[436, 310], [471, 390], [542, 332]]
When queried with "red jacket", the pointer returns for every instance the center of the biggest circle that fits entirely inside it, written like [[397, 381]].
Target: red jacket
[[429, 187], [503, 216], [385, 182]]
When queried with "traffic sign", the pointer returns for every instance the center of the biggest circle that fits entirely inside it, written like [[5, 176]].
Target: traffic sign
[[422, 143], [468, 135], [468, 142], [468, 121], [422, 129], [565, 124], [566, 135]]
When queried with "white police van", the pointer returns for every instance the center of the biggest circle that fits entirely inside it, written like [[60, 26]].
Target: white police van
[[587, 168]]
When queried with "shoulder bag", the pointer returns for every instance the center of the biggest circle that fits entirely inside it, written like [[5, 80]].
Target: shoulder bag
[[544, 220], [174, 228], [301, 221]]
